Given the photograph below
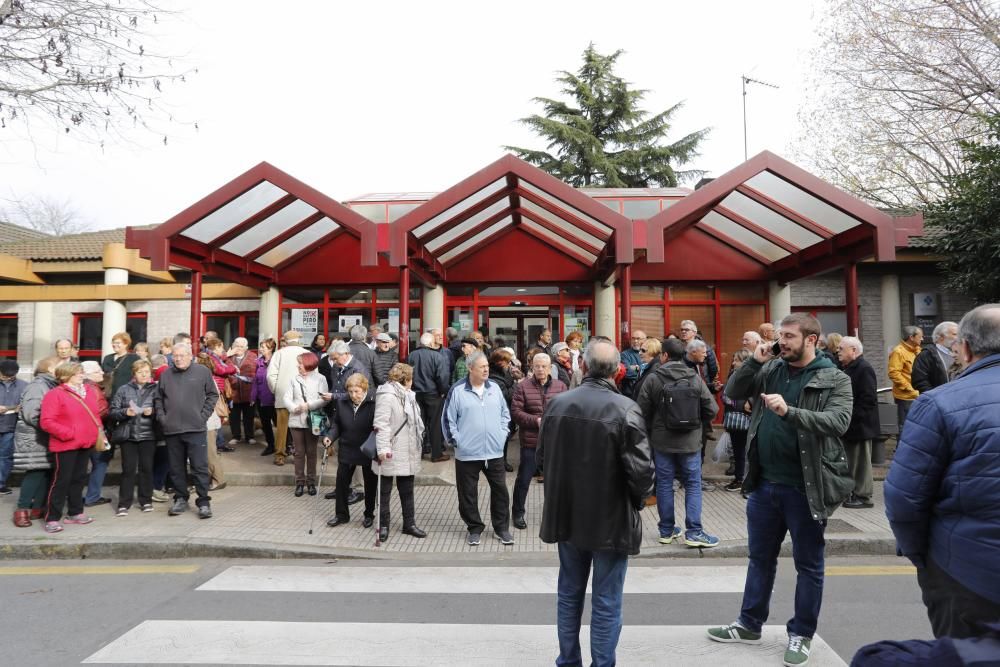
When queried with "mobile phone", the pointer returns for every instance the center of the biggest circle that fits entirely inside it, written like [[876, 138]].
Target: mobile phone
[[776, 348]]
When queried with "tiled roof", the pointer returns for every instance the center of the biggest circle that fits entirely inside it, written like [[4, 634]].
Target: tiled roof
[[88, 245], [11, 233]]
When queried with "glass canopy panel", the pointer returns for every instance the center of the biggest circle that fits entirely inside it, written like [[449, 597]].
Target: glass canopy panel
[[469, 201], [267, 229], [397, 211], [223, 219], [374, 212], [298, 242], [802, 202], [478, 238], [640, 208], [558, 241], [466, 225], [758, 244], [563, 205], [562, 224], [764, 217]]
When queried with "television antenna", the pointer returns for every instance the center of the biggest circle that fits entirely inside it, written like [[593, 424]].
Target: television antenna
[[747, 80]]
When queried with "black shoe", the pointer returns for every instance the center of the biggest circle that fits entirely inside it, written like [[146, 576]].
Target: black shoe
[[267, 451], [383, 534], [355, 497], [299, 490], [179, 507], [99, 501], [508, 467], [5, 490], [519, 522], [336, 521], [415, 532], [367, 522], [225, 448], [331, 496], [854, 503], [311, 489]]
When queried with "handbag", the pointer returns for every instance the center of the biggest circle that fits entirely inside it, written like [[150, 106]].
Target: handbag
[[221, 408], [120, 432], [318, 422], [102, 444], [369, 447]]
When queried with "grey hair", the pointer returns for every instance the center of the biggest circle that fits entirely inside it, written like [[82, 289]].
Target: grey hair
[[157, 360], [602, 359], [62, 340], [339, 347], [182, 338], [426, 339], [474, 357], [451, 332], [696, 345], [240, 340], [541, 356], [941, 329], [358, 332], [754, 336], [980, 328], [853, 341], [183, 345], [911, 331], [691, 323]]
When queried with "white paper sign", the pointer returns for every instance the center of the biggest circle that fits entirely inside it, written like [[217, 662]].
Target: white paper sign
[[305, 320], [394, 320], [345, 322]]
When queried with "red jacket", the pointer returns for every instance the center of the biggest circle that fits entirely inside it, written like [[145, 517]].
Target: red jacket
[[248, 369], [221, 369], [528, 404], [67, 422]]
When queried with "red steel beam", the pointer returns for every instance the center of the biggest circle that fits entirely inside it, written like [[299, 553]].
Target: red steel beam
[[195, 310], [565, 215], [559, 231], [784, 211], [735, 245], [462, 216], [285, 235], [503, 231], [572, 254], [469, 233], [215, 256], [252, 221], [756, 229]]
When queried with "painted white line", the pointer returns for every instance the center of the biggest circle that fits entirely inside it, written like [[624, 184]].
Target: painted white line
[[451, 580], [441, 645]]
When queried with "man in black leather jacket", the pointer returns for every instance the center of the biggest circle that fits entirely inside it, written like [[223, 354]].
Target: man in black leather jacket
[[598, 473]]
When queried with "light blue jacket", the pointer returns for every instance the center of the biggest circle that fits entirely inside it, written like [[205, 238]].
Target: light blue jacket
[[476, 427]]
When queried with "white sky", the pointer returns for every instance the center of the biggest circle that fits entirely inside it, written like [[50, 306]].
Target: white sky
[[415, 96]]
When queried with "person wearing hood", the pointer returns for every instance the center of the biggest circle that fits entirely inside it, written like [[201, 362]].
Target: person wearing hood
[[31, 445], [675, 391]]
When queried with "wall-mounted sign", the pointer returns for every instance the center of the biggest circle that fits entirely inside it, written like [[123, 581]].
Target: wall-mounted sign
[[305, 320], [345, 322], [394, 320], [925, 304]]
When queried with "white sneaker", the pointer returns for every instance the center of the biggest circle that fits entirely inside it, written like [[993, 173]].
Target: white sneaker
[[251, 441], [234, 442]]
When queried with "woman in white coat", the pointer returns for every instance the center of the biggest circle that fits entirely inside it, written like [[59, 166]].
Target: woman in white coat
[[398, 441], [307, 393]]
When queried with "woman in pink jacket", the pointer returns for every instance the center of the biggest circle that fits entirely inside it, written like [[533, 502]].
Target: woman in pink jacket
[[70, 417]]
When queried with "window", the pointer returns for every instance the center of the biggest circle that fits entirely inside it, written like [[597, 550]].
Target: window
[[333, 311], [231, 326], [8, 336], [88, 331]]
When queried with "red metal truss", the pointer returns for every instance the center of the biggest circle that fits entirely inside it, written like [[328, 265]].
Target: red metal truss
[[285, 235], [785, 212], [734, 244], [464, 215], [252, 221], [500, 233], [756, 229]]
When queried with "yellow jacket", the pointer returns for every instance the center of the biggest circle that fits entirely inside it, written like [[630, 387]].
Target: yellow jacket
[[900, 368]]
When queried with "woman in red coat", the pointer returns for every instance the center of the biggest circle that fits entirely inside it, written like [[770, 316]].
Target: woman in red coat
[[70, 417]]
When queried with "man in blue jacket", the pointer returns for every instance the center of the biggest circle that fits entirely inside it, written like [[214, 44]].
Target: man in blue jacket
[[943, 490], [476, 421]]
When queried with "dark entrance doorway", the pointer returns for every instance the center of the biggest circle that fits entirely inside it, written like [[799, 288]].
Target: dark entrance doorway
[[519, 328]]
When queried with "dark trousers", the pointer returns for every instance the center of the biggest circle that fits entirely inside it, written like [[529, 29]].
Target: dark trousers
[[306, 445], [267, 417], [467, 484], [185, 447], [69, 476], [902, 409], [430, 411], [609, 568], [954, 610], [34, 488], [525, 471], [161, 469], [137, 455], [345, 471], [772, 511], [241, 416], [405, 486], [739, 440]]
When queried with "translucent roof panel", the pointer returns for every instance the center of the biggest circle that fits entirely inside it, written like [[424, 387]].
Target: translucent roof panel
[[463, 205], [478, 238], [393, 196], [267, 229], [466, 225], [562, 224], [561, 204], [300, 241], [757, 243], [764, 217], [225, 218], [802, 202], [558, 240]]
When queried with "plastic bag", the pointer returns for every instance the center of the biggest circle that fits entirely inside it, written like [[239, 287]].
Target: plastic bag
[[723, 448]]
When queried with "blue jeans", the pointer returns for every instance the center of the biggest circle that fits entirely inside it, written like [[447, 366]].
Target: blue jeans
[[605, 605], [6, 456], [687, 468], [98, 468], [772, 511], [525, 471]]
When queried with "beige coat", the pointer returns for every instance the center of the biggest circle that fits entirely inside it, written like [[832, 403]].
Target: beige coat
[[283, 368], [392, 402]]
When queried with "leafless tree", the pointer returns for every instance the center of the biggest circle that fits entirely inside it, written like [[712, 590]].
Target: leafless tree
[[45, 214], [897, 83], [86, 67]]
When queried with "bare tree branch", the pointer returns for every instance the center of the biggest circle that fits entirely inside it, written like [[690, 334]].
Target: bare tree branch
[[45, 214]]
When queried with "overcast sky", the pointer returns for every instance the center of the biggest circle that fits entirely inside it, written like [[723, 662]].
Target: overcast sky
[[404, 96]]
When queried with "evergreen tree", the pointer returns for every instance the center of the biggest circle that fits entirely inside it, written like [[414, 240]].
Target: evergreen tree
[[606, 140]]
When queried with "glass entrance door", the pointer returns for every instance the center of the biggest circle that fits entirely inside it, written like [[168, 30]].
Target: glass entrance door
[[519, 329]]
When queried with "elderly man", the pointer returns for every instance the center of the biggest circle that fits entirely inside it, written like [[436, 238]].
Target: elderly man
[[901, 369], [359, 349], [943, 489], [386, 356], [767, 333], [633, 364], [697, 358], [475, 422], [430, 384], [442, 349], [283, 368], [344, 365], [710, 372], [932, 365], [531, 395], [864, 420], [240, 383], [544, 341], [373, 331], [64, 350], [185, 398], [461, 370], [11, 390], [598, 474], [750, 340]]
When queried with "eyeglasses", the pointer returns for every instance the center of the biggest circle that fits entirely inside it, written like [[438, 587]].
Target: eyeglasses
[[687, 329]]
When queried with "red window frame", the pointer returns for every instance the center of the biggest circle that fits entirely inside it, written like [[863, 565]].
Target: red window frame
[[241, 316], [479, 303], [324, 306], [10, 353], [97, 355]]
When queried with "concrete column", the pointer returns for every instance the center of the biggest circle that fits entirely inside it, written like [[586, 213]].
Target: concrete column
[[780, 298], [268, 314], [433, 308], [115, 314], [604, 311], [892, 318], [43, 339]]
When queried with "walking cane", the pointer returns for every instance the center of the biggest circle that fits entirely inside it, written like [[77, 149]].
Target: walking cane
[[378, 507], [319, 484]]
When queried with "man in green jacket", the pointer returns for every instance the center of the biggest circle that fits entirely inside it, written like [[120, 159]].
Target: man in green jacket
[[798, 475]]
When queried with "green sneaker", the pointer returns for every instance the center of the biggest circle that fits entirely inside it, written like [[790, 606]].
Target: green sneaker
[[797, 652], [734, 632]]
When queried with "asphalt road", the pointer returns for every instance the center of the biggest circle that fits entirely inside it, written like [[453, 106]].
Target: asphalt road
[[354, 612]]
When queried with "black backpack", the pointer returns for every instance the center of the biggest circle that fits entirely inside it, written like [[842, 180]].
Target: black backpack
[[680, 404]]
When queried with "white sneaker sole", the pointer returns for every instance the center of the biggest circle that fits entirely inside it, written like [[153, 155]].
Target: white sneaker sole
[[736, 640]]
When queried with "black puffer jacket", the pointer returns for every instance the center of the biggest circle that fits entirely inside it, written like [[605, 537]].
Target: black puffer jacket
[[598, 469], [140, 427], [352, 428], [384, 361], [928, 370]]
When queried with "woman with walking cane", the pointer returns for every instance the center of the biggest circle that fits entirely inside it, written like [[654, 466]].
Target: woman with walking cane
[[352, 423], [398, 439]]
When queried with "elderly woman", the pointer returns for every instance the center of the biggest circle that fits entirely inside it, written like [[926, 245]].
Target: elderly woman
[[353, 421], [70, 417], [135, 434], [31, 445], [575, 342], [261, 395], [399, 434], [118, 364], [306, 395], [736, 421], [649, 355], [241, 417]]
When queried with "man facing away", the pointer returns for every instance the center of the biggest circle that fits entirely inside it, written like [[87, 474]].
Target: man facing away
[[598, 473], [430, 384], [943, 489], [283, 368], [901, 369], [797, 476], [864, 421]]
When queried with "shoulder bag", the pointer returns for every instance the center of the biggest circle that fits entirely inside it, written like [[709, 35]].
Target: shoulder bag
[[107, 384], [101, 444], [317, 419], [370, 448]]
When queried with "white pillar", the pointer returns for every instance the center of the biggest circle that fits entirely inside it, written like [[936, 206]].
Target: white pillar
[[43, 340], [892, 318], [115, 314], [267, 322], [604, 311], [780, 298], [433, 308]]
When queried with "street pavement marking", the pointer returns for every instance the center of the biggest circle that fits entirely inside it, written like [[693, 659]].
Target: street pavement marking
[[441, 645], [457, 580], [869, 570], [98, 569]]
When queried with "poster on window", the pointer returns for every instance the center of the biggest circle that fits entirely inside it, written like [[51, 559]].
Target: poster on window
[[345, 322], [394, 320], [305, 321]]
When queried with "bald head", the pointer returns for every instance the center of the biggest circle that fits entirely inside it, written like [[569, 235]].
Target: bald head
[[979, 331], [601, 358]]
